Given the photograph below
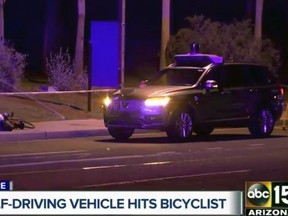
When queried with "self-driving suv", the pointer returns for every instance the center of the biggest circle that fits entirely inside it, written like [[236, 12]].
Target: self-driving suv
[[198, 93]]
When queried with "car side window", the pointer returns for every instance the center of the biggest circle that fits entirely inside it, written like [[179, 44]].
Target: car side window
[[262, 76], [236, 76], [215, 74]]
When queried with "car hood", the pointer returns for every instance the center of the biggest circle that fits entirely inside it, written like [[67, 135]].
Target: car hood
[[151, 91]]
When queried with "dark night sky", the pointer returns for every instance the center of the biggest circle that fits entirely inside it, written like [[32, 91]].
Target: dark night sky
[[25, 24]]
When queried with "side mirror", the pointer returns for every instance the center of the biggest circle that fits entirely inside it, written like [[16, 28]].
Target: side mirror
[[210, 84]]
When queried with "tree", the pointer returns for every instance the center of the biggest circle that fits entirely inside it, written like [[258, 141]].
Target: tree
[[165, 31], [79, 50], [234, 41]]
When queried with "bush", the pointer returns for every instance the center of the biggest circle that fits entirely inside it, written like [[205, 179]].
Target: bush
[[235, 42], [61, 72], [12, 65]]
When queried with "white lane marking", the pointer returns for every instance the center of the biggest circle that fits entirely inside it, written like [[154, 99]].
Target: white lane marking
[[168, 153], [256, 144], [81, 160], [162, 178], [105, 167], [42, 153], [70, 161], [214, 148], [96, 167], [126, 165]]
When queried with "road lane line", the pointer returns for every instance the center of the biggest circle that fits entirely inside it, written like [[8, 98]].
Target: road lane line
[[157, 163], [104, 167], [70, 161], [161, 179], [96, 167], [168, 153], [256, 144], [82, 160], [42, 153], [214, 148]]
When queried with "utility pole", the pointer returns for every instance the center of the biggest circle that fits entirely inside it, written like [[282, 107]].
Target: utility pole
[[2, 23], [258, 19], [122, 19], [79, 50], [165, 34]]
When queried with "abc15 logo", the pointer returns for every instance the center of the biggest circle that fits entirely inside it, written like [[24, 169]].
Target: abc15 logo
[[266, 194]]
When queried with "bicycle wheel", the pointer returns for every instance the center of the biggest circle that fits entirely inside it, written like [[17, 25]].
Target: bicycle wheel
[[28, 125], [21, 124]]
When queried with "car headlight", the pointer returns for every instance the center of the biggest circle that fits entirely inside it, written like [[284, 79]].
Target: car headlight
[[157, 101], [107, 101]]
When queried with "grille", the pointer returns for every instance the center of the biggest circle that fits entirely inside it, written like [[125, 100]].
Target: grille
[[126, 105]]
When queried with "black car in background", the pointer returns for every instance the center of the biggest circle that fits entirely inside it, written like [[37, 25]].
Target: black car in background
[[198, 93]]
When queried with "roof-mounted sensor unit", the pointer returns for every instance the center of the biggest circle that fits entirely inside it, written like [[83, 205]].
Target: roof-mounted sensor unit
[[197, 60]]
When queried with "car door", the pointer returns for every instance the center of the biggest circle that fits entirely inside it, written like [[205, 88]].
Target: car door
[[238, 84], [226, 102], [212, 104]]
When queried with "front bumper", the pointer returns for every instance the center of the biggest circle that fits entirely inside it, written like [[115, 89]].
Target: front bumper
[[143, 118]]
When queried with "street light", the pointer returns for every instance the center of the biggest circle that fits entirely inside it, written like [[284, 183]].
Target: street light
[[165, 31], [122, 12]]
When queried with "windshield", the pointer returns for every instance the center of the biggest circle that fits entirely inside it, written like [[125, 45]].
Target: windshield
[[177, 76]]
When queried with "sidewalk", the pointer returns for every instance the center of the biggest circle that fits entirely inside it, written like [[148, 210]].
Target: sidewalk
[[57, 129]]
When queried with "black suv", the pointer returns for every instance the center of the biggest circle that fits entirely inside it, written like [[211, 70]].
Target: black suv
[[198, 93]]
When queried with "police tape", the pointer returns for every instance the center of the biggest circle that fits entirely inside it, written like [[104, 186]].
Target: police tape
[[56, 92]]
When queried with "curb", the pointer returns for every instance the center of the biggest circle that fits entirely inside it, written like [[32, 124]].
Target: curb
[[9, 136]]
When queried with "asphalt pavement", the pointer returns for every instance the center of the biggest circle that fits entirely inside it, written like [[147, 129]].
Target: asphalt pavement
[[69, 129]]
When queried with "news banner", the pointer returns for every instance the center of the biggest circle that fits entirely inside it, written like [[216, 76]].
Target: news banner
[[259, 198]]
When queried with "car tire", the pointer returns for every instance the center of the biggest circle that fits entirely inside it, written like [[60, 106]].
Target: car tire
[[120, 134], [203, 130], [261, 123], [180, 126]]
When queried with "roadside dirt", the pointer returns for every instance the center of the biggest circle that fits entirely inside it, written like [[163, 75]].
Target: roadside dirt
[[52, 107]]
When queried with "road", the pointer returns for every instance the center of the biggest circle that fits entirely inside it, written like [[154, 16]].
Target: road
[[223, 161]]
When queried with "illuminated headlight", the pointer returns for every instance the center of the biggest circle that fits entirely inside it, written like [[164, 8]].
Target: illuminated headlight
[[107, 101], [159, 101]]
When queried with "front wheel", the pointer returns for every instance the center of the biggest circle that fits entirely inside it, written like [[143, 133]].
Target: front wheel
[[180, 127], [120, 134], [261, 123]]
